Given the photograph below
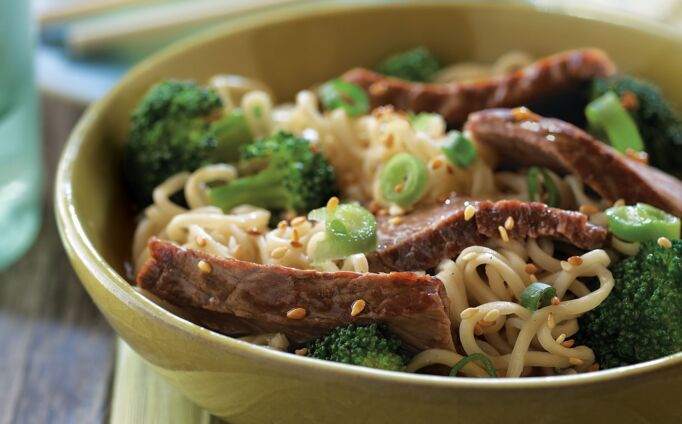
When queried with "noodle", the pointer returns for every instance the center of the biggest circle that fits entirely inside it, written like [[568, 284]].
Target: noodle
[[484, 283]]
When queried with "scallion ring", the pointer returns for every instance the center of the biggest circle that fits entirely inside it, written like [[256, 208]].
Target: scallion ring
[[607, 113], [342, 94], [550, 189], [403, 179], [459, 150], [537, 295], [642, 222], [479, 357], [349, 229]]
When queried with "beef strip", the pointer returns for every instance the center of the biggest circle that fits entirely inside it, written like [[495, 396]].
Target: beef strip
[[423, 238], [239, 297], [526, 139], [551, 76]]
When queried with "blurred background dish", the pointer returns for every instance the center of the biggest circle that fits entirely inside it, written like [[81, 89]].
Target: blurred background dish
[[87, 45]]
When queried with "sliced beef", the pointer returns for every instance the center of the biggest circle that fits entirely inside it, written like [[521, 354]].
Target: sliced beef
[[526, 139], [423, 238], [555, 75], [238, 297]]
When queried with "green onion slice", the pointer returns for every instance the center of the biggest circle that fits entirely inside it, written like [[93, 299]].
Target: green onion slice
[[459, 150], [345, 95], [403, 179], [484, 360], [642, 222], [553, 197], [607, 113], [537, 295], [426, 122], [349, 229]]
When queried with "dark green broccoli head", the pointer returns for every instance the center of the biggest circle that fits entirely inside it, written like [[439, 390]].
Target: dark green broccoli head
[[369, 346], [286, 174], [418, 64], [642, 317], [177, 126], [658, 122]]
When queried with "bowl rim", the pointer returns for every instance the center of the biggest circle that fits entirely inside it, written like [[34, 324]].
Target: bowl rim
[[81, 249]]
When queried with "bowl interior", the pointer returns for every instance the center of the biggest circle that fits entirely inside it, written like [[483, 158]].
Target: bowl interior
[[304, 45]]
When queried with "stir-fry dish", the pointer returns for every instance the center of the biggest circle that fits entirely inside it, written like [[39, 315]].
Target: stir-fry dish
[[506, 220]]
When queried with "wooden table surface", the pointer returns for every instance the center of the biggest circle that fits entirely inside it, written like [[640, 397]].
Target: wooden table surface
[[56, 350]]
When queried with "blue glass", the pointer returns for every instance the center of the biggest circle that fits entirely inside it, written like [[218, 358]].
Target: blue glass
[[20, 164]]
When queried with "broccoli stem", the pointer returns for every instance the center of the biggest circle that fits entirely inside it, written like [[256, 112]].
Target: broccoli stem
[[263, 190]]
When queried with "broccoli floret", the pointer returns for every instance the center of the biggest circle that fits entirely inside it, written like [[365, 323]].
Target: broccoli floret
[[178, 126], [642, 317], [658, 122], [289, 175], [418, 64], [369, 346]]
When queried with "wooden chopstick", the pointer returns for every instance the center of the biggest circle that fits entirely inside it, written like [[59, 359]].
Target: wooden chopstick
[[90, 36], [81, 9]]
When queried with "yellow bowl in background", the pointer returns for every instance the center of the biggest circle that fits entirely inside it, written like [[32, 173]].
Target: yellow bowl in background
[[290, 49]]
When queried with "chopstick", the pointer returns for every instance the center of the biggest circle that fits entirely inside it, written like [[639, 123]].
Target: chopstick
[[90, 36], [83, 8]]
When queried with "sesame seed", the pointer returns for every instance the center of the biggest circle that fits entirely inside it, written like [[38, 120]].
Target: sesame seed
[[664, 242], [296, 313], [555, 301], [378, 88], [282, 225], [523, 114], [395, 220], [478, 330], [302, 351], [388, 141], [575, 361], [568, 343], [509, 223], [468, 313], [492, 315], [561, 338], [530, 269], [253, 232], [278, 252], [332, 203], [483, 323], [204, 267], [588, 209], [575, 260], [398, 188], [469, 212], [503, 233], [296, 244], [641, 157], [298, 221], [566, 266], [201, 241], [551, 321], [629, 100], [436, 163], [619, 202], [357, 307]]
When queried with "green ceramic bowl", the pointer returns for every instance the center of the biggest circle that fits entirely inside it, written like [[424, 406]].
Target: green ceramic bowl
[[292, 48]]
